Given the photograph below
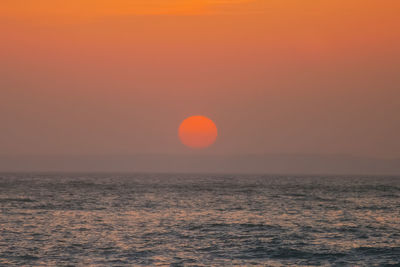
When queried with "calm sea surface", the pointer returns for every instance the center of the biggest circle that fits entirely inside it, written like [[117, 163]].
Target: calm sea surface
[[198, 220]]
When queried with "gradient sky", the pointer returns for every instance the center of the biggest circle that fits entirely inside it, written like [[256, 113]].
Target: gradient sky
[[118, 76]]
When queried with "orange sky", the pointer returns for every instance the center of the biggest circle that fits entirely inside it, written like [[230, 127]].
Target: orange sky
[[294, 76]]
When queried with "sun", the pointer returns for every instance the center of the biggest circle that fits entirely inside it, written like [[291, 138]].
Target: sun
[[198, 132]]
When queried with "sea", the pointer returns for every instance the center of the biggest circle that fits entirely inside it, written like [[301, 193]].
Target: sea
[[64, 219]]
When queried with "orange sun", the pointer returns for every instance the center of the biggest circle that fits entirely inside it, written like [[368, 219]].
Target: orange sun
[[198, 132]]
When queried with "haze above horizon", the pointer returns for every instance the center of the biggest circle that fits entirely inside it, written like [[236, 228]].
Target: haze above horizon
[[276, 77]]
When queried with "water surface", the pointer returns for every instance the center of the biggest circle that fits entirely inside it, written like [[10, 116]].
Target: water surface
[[198, 220]]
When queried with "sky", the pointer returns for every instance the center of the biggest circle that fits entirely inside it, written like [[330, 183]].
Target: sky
[[115, 77]]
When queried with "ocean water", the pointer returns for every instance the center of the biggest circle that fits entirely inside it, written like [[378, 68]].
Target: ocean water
[[198, 220]]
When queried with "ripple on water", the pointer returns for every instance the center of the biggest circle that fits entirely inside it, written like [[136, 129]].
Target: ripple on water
[[198, 220]]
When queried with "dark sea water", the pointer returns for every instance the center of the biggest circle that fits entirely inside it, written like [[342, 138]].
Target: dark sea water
[[198, 220]]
